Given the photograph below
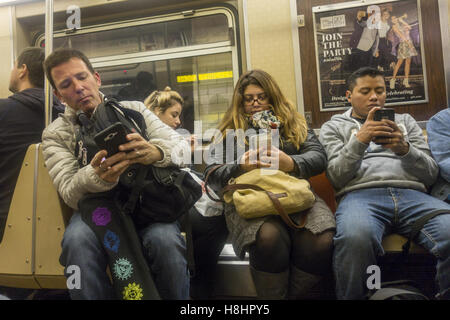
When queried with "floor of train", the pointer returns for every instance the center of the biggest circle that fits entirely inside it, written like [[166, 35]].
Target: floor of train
[[234, 281]]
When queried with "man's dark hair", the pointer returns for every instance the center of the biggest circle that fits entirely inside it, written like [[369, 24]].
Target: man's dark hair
[[61, 56], [33, 58], [362, 72]]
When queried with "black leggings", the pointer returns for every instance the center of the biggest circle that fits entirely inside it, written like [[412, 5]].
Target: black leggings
[[277, 246]]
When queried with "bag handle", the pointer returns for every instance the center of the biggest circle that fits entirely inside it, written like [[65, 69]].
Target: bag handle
[[276, 203], [206, 182], [417, 226]]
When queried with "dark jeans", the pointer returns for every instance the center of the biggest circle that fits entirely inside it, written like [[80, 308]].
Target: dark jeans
[[364, 216]]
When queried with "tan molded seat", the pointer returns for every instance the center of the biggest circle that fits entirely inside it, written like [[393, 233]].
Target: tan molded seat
[[394, 242], [16, 248], [52, 215], [36, 222]]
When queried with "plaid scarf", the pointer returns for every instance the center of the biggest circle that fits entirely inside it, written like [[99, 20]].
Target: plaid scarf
[[265, 119]]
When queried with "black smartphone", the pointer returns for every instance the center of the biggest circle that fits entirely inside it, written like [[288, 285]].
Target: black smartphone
[[384, 113], [111, 138]]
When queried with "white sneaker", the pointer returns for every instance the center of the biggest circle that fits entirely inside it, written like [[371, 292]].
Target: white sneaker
[[392, 83]]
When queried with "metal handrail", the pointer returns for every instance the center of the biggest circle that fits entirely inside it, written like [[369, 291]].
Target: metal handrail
[[48, 51]]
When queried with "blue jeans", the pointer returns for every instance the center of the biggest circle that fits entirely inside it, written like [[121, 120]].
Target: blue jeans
[[164, 249], [365, 216]]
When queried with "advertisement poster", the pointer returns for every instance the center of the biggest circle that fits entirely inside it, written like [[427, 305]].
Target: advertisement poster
[[383, 34]]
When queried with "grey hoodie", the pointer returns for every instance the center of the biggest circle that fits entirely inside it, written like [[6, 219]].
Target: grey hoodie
[[355, 165]]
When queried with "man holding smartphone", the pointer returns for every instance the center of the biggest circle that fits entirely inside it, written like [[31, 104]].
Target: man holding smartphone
[[381, 171], [76, 83]]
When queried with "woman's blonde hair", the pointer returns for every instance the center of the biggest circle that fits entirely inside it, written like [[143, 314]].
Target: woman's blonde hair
[[294, 128], [162, 100]]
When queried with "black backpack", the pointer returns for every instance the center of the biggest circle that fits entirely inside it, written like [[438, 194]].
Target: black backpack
[[158, 194]]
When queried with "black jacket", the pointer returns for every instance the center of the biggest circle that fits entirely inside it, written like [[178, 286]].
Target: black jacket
[[309, 160], [22, 120]]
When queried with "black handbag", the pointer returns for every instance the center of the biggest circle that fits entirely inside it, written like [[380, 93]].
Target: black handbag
[[149, 193], [158, 194]]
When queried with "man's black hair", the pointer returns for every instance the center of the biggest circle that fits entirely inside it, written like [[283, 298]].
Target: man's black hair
[[61, 56], [362, 72], [33, 58]]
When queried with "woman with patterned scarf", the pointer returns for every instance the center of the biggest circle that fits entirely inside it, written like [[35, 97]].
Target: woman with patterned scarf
[[284, 262]]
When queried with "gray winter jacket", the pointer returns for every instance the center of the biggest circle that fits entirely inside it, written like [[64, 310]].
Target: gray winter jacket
[[355, 165], [71, 181]]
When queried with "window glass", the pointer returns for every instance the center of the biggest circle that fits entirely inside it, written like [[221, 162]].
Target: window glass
[[204, 82], [149, 37]]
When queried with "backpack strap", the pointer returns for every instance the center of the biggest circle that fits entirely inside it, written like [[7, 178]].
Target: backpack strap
[[85, 147], [111, 111], [138, 184], [417, 226]]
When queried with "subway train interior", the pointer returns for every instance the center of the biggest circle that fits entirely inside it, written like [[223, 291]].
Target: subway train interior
[[200, 48]]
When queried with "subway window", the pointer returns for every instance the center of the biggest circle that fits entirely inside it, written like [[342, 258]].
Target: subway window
[[195, 55]]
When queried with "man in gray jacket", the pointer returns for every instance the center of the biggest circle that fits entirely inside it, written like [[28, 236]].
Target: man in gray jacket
[[381, 171], [77, 84]]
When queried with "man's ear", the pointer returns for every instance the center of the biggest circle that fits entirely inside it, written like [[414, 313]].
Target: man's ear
[[56, 93], [348, 94], [23, 71], [98, 79]]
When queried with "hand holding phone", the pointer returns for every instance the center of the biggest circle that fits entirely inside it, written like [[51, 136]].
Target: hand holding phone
[[261, 140], [379, 115], [372, 128], [111, 138]]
